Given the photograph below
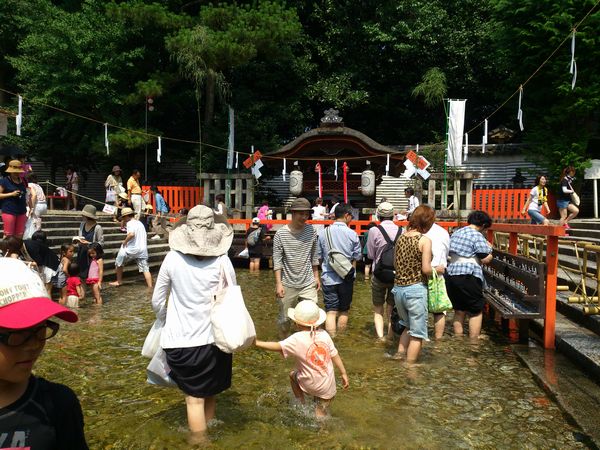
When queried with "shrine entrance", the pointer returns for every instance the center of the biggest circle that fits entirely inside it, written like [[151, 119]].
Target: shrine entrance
[[332, 145]]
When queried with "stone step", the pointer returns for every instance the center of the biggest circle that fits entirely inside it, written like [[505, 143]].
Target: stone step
[[586, 224], [574, 312]]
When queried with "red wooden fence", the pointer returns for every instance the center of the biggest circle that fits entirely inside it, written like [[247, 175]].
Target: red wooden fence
[[178, 197], [506, 204]]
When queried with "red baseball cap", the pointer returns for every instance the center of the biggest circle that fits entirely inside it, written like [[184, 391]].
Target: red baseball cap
[[24, 301]]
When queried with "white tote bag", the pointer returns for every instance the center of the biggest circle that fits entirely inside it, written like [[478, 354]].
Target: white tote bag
[[152, 342], [233, 328], [157, 372]]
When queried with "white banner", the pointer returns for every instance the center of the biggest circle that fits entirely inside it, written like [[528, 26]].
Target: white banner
[[456, 126], [231, 139]]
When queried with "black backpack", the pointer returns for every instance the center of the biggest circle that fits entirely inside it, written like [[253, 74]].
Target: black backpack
[[384, 270]]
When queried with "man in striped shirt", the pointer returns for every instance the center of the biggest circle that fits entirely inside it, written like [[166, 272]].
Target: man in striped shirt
[[295, 262]]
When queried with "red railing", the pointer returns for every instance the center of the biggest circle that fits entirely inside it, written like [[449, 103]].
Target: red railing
[[178, 197], [506, 204], [360, 226]]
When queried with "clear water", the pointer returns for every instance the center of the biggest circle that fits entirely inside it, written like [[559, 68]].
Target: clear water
[[462, 396]]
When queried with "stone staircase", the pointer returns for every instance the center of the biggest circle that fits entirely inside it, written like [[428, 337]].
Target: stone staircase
[[62, 226]]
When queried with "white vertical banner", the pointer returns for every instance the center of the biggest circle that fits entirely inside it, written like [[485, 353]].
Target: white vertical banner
[[484, 137], [466, 148], [106, 144], [573, 69], [456, 128], [231, 139], [159, 150], [19, 118], [520, 111], [335, 170], [417, 151], [387, 165], [283, 172], [237, 159]]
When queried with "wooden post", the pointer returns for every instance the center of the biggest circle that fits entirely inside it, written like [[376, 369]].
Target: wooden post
[[249, 197], [207, 192], [238, 194], [431, 193], [551, 274]]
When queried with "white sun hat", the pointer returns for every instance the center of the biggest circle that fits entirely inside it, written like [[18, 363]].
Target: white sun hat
[[307, 313]]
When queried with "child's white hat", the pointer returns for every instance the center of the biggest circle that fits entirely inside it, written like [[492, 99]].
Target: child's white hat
[[307, 313]]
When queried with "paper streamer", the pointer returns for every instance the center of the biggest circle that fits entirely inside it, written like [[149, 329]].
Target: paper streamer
[[573, 70], [335, 170], [106, 144], [19, 118], [237, 159], [466, 147], [387, 165], [520, 111], [485, 133], [417, 148], [159, 150], [283, 171]]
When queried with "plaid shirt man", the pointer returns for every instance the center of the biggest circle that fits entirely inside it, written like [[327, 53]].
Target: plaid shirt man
[[467, 243]]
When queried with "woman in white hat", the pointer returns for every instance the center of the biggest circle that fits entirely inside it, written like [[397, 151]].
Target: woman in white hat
[[13, 200], [189, 277], [89, 231], [315, 356]]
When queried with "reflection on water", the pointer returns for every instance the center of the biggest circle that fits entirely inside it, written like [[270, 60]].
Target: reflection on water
[[462, 396]]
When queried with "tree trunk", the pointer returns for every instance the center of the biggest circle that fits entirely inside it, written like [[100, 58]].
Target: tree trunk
[[209, 105], [199, 135]]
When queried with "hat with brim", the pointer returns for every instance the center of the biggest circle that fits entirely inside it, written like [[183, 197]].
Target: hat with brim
[[202, 233], [15, 166], [307, 313], [149, 207], [24, 300], [89, 211], [127, 212], [256, 220], [123, 196], [116, 169], [385, 209], [300, 204]]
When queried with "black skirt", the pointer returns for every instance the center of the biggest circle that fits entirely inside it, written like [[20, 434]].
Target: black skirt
[[200, 371]]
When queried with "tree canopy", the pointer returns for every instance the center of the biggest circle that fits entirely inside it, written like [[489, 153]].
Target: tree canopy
[[279, 65]]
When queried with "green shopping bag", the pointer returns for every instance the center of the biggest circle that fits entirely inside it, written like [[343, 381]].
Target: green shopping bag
[[437, 299]]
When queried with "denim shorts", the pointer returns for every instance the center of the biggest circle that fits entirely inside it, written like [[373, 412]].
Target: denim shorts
[[536, 217], [411, 303], [562, 204]]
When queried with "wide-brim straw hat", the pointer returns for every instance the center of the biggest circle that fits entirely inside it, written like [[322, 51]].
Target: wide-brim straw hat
[[15, 166], [300, 204], [127, 212], [123, 196], [202, 233], [307, 313], [116, 169], [149, 207], [89, 211]]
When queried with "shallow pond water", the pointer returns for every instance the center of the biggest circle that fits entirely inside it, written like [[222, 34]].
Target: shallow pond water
[[461, 396]]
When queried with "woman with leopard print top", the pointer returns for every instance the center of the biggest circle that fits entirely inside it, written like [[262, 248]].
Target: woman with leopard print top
[[413, 266]]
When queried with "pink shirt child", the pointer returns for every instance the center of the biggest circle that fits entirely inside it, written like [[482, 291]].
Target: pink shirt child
[[313, 362], [93, 273]]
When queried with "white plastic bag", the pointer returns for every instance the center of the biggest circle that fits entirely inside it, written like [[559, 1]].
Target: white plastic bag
[[29, 228], [152, 342], [158, 370], [233, 328], [244, 253]]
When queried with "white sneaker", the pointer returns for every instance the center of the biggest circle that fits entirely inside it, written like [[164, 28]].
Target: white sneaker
[[155, 237]]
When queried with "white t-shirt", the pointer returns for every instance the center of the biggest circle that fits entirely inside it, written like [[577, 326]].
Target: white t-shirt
[[319, 212], [190, 284], [440, 245], [534, 200], [138, 246], [413, 203]]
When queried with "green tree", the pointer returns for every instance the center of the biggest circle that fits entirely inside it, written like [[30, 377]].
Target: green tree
[[560, 123]]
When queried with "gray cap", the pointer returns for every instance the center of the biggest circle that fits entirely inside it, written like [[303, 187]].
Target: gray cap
[[300, 204]]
